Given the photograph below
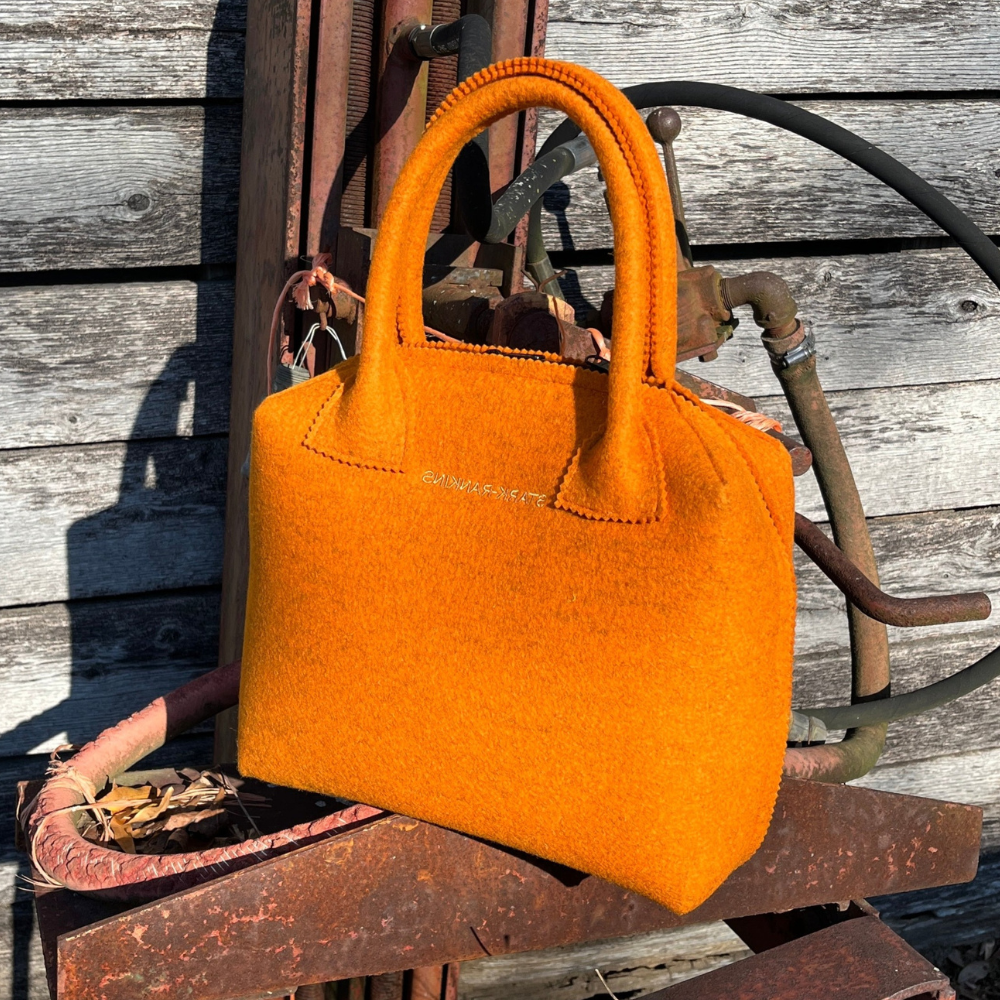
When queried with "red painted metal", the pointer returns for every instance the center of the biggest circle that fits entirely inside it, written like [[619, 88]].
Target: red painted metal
[[442, 75], [510, 22], [326, 174], [396, 893], [360, 114], [535, 46], [402, 97], [858, 959]]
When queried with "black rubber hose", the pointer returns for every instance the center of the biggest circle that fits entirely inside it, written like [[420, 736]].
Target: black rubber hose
[[919, 193], [824, 133], [900, 706]]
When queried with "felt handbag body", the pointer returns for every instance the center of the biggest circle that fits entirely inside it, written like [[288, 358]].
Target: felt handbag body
[[515, 596]]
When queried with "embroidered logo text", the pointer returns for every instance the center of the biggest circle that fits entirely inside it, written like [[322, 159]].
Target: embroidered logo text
[[448, 482]]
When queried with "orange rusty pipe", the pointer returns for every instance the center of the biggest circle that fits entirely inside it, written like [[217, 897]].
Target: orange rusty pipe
[[401, 106], [875, 603]]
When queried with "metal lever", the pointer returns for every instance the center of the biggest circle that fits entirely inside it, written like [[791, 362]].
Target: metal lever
[[664, 126], [869, 599]]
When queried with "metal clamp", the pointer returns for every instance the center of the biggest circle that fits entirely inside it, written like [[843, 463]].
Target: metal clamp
[[802, 351]]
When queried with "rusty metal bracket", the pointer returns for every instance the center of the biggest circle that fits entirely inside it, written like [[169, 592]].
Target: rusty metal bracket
[[859, 959]]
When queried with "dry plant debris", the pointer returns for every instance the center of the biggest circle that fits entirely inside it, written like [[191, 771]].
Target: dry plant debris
[[974, 969], [188, 810]]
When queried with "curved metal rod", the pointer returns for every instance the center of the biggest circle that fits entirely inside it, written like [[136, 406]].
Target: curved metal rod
[[63, 858], [905, 612]]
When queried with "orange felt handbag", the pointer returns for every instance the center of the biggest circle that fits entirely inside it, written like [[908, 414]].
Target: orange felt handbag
[[505, 593]]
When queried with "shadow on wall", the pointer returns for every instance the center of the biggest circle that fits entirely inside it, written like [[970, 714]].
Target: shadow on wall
[[555, 201], [166, 524]]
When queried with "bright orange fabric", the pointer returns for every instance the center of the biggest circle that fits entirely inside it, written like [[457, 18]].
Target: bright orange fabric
[[535, 603]]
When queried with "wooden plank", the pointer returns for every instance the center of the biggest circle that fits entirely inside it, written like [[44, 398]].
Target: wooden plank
[[912, 448], [631, 965], [781, 46], [114, 518], [76, 51], [270, 218], [68, 671], [934, 919], [89, 363], [910, 318], [118, 187], [746, 181]]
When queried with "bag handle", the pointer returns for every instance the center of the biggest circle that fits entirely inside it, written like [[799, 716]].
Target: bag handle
[[615, 476]]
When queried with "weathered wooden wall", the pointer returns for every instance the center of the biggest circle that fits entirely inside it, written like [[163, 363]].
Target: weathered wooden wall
[[119, 138], [119, 144]]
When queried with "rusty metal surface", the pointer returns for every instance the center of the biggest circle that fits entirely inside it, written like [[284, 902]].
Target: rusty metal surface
[[510, 25], [442, 75], [703, 320], [459, 302], [900, 611], [800, 455], [360, 115], [858, 959], [396, 894], [858, 752], [402, 97], [326, 175]]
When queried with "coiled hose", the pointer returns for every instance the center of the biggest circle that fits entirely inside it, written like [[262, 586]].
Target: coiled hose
[[941, 210]]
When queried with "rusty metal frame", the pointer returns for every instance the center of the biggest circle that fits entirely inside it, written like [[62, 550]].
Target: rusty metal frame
[[394, 893]]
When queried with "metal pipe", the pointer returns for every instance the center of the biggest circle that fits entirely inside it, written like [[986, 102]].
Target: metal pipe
[[774, 309], [471, 38], [904, 612], [402, 97], [901, 706], [858, 752]]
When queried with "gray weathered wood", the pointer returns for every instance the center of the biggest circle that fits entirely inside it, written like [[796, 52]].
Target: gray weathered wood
[[745, 181], [630, 965], [118, 187], [191, 49], [912, 448], [89, 363], [920, 316], [90, 50], [782, 46], [920, 554], [67, 671], [111, 518]]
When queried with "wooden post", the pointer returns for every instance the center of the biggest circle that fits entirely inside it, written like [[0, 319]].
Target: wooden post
[[274, 114]]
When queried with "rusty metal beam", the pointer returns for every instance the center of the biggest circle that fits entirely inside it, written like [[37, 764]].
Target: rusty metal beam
[[855, 960], [399, 894], [329, 117]]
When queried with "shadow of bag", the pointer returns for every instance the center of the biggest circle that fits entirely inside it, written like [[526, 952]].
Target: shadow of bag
[[535, 603]]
